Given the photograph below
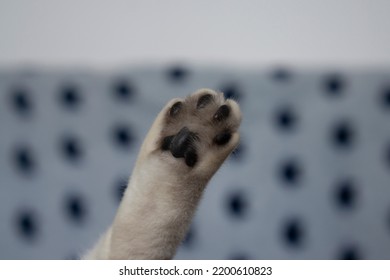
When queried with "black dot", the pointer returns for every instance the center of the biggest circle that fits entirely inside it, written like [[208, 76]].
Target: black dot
[[123, 90], [24, 159], [21, 100], [232, 91], [334, 84], [285, 118], [281, 74], [346, 194], [178, 73], [122, 136], [70, 96], [290, 172], [75, 208], [71, 148], [120, 187], [293, 233], [27, 224], [190, 237], [237, 204], [350, 252], [385, 98], [343, 134]]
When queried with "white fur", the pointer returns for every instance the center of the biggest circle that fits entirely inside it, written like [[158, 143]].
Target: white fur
[[163, 193]]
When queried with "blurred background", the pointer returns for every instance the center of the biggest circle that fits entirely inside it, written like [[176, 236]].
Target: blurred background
[[81, 82]]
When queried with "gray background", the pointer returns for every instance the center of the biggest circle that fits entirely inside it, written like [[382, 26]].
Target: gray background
[[310, 179], [247, 32]]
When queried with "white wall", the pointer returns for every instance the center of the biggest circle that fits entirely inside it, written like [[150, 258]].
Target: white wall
[[118, 32]]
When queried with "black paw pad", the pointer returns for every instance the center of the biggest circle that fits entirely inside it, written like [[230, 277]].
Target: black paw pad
[[175, 109], [222, 113], [190, 157], [181, 145], [222, 138], [166, 143], [204, 101], [180, 142]]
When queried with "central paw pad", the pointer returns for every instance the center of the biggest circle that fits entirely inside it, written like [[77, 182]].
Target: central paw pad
[[182, 145], [201, 123]]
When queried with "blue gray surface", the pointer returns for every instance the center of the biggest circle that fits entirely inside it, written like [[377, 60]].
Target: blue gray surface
[[310, 180]]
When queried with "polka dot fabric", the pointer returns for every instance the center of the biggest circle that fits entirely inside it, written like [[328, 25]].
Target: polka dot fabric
[[309, 180]]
